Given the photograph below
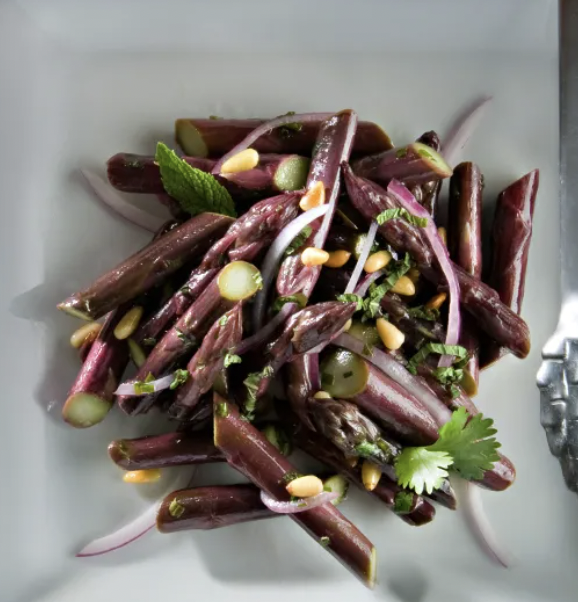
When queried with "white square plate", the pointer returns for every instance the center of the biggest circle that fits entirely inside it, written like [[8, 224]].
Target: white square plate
[[80, 81]]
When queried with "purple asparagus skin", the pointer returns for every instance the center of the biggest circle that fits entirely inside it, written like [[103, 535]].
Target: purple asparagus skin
[[481, 301], [465, 247], [148, 267], [208, 361], [216, 137], [161, 451], [511, 237], [428, 193], [211, 508], [245, 238], [302, 382], [248, 450], [414, 165], [274, 173]]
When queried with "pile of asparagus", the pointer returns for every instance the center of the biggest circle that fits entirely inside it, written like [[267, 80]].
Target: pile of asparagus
[[181, 308]]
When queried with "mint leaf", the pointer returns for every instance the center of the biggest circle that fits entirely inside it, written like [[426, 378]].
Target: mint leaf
[[231, 358], [400, 213], [195, 190], [456, 350], [299, 240], [351, 298]]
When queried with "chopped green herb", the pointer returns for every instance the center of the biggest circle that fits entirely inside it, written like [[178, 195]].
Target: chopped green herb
[[185, 289], [299, 240], [267, 371], [278, 437], [214, 117], [366, 449], [252, 384], [300, 299], [423, 313], [180, 377], [144, 387], [401, 213], [149, 342], [456, 350], [448, 376], [195, 190], [290, 476], [258, 280], [231, 358], [403, 502], [289, 129], [325, 541], [223, 320], [401, 153], [188, 340], [222, 409], [176, 510], [327, 379], [351, 298], [395, 270]]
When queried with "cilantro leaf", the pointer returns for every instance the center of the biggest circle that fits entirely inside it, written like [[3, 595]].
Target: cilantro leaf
[[401, 213], [195, 190], [420, 468], [231, 358], [180, 377]]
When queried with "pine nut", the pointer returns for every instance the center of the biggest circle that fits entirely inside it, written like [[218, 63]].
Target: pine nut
[[404, 286], [322, 395], [391, 336], [370, 475], [314, 197], [312, 257], [307, 486], [413, 274], [128, 323], [348, 325], [377, 261], [337, 259], [244, 161], [137, 477], [436, 301], [443, 235], [88, 332]]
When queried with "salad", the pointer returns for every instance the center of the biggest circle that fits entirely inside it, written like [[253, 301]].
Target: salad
[[310, 292]]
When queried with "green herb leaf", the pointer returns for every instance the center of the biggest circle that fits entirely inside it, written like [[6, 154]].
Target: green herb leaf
[[223, 320], [401, 213], [258, 278], [420, 468], [456, 350], [278, 438], [231, 358], [300, 299], [176, 510], [403, 502], [252, 383], [289, 129], [299, 240], [351, 298], [291, 476], [222, 409], [401, 153], [366, 449], [448, 376], [423, 313], [180, 377], [195, 190]]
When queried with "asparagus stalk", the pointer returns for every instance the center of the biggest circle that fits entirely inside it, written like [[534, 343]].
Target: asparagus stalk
[[481, 301], [274, 173], [247, 450], [216, 137], [511, 237], [244, 239], [147, 268], [208, 361], [303, 382], [414, 164], [465, 245], [428, 193], [211, 508]]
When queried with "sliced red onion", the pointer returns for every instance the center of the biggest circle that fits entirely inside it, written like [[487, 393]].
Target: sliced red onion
[[263, 335], [112, 199], [364, 285], [267, 127], [363, 255], [274, 256], [462, 130], [301, 505], [160, 384], [134, 529], [404, 197]]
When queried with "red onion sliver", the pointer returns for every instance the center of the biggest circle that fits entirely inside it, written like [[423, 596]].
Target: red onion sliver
[[462, 130], [263, 335], [274, 256], [266, 127], [112, 199], [160, 384], [299, 505], [364, 285], [363, 255], [134, 529], [404, 197]]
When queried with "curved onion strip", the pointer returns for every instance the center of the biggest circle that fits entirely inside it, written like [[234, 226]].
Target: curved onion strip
[[363, 255], [112, 199], [462, 130], [263, 335], [134, 529], [364, 285], [300, 505], [263, 129], [160, 384], [404, 197], [274, 255]]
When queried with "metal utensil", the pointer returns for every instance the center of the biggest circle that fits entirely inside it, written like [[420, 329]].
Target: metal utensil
[[558, 374]]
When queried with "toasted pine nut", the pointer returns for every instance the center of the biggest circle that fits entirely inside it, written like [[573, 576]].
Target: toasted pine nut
[[307, 486], [348, 325], [85, 333], [436, 301], [322, 395], [370, 475], [312, 256], [404, 286], [314, 197], [244, 161], [128, 323], [413, 274], [377, 261], [391, 336], [443, 235], [337, 259], [151, 475]]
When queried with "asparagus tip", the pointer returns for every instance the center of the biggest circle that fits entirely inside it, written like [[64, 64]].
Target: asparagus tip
[[67, 307], [83, 410]]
